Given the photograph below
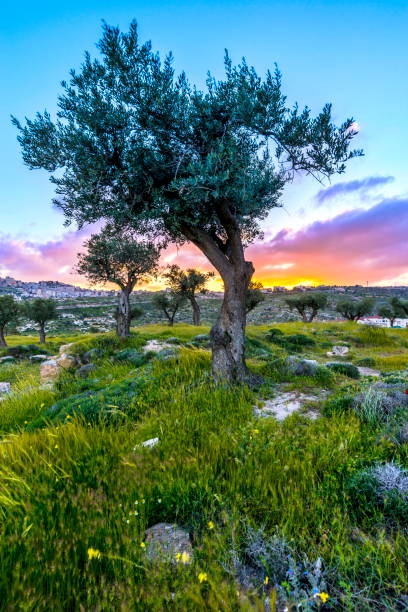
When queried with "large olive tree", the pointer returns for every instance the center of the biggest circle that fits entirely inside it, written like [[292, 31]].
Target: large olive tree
[[136, 144], [116, 256]]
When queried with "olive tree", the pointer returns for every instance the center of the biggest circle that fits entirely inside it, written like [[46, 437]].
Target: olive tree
[[9, 312], [188, 283], [169, 304], [307, 304], [116, 256], [134, 143], [254, 296], [41, 311], [353, 310], [389, 311]]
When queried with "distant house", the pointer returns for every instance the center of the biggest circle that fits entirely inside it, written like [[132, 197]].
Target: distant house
[[380, 322]]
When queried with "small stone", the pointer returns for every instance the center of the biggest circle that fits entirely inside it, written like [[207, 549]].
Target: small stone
[[368, 372], [156, 346], [286, 403], [165, 542], [150, 443], [301, 367], [85, 370], [5, 387]]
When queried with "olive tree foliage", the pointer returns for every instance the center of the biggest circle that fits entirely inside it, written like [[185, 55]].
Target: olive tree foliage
[[400, 306], [307, 304], [353, 310], [117, 256], [254, 295], [41, 311], [389, 311], [169, 304], [188, 283], [134, 143], [9, 312]]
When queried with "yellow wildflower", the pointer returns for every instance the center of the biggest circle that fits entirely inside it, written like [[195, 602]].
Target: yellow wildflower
[[93, 553], [210, 525], [255, 431], [266, 581], [323, 596], [178, 556], [142, 545], [185, 557], [202, 577]]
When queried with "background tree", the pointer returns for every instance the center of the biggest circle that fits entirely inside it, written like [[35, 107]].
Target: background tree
[[307, 304], [353, 310], [115, 256], [254, 296], [135, 144], [169, 303], [390, 311], [41, 311], [9, 312], [400, 306], [188, 283]]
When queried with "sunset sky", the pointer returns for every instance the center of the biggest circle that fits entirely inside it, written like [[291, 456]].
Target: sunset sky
[[351, 53]]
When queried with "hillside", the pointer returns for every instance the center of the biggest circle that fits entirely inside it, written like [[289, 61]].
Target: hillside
[[292, 496]]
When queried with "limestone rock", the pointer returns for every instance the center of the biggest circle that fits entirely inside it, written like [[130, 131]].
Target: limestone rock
[[368, 372], [286, 403], [301, 367], [5, 387], [85, 370], [338, 351], [166, 541], [38, 358], [150, 443], [66, 361], [64, 349], [93, 353], [7, 359], [156, 346], [49, 371]]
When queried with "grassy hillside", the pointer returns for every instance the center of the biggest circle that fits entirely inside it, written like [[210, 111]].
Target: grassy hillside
[[281, 514]]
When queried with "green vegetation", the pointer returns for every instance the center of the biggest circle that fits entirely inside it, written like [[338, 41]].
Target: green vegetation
[[41, 312], [274, 509]]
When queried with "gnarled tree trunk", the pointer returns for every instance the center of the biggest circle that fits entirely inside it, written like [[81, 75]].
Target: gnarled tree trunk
[[196, 310], [123, 314], [2, 337], [42, 334]]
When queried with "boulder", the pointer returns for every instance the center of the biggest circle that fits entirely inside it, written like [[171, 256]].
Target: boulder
[[166, 542], [301, 367], [49, 371], [93, 353], [338, 351], [156, 346], [85, 370], [39, 358], [7, 359], [368, 372], [65, 348], [67, 362]]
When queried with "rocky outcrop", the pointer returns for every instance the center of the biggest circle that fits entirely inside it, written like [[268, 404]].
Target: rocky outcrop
[[166, 542], [338, 351]]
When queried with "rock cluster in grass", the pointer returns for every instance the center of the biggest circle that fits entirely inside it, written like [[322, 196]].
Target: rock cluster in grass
[[286, 404], [168, 543]]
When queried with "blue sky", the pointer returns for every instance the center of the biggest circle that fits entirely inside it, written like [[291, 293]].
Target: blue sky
[[353, 54]]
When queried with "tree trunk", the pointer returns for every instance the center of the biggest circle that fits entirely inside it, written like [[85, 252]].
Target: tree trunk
[[196, 311], [2, 337], [228, 334], [42, 334], [123, 318]]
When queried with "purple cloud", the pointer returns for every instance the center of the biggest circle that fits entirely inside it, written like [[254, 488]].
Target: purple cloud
[[361, 186]]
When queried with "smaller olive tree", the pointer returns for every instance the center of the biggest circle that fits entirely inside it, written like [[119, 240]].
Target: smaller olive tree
[[390, 312], [116, 256], [353, 310], [307, 304], [9, 312], [400, 306], [188, 283], [254, 295], [41, 311], [169, 304]]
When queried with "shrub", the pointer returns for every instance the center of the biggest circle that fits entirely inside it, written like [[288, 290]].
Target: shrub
[[381, 488], [290, 342], [379, 403], [366, 362], [347, 369], [133, 356]]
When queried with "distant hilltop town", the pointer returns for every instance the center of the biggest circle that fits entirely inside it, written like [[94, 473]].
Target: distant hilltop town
[[46, 289]]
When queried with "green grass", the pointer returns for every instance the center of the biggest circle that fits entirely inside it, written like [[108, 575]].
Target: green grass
[[72, 485]]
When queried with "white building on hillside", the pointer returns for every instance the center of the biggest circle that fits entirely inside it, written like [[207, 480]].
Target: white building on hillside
[[380, 322]]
